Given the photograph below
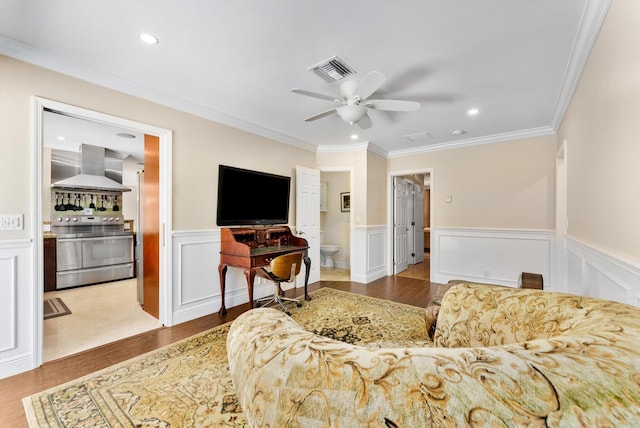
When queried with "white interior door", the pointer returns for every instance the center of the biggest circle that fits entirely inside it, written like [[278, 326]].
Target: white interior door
[[411, 248], [308, 216], [418, 223], [400, 193]]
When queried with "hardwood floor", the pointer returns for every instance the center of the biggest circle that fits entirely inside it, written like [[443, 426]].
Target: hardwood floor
[[419, 270], [410, 291]]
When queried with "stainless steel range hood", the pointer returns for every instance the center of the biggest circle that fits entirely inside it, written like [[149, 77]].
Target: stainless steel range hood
[[92, 173]]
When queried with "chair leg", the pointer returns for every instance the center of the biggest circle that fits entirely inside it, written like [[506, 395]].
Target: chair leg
[[286, 311], [265, 301], [278, 297], [296, 301]]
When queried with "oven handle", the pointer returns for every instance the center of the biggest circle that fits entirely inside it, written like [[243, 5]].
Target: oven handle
[[91, 269], [97, 238]]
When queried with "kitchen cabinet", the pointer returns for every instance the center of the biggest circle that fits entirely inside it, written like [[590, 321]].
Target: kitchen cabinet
[[50, 255]]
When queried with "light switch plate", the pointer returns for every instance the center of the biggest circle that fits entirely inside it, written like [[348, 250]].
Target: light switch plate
[[11, 222]]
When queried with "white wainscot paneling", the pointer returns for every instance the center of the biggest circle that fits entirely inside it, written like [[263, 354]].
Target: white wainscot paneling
[[8, 300], [17, 306], [196, 281], [493, 256], [368, 261], [595, 273]]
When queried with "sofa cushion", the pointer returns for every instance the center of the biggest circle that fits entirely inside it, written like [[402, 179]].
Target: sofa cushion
[[485, 315]]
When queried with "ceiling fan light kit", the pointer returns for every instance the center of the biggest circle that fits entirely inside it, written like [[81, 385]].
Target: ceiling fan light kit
[[353, 97], [352, 113]]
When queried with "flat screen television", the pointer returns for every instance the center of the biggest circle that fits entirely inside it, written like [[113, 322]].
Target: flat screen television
[[247, 197]]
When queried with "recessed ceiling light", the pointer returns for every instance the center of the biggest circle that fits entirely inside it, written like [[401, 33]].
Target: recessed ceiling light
[[473, 112], [149, 38], [354, 136], [458, 132], [61, 138]]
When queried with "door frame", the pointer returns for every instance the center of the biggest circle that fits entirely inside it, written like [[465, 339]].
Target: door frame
[[166, 177], [390, 205]]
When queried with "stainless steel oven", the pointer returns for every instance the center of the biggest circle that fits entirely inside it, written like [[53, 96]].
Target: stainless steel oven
[[92, 249]]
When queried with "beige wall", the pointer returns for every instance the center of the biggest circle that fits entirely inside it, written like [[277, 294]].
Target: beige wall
[[199, 145], [376, 189], [603, 138], [502, 185]]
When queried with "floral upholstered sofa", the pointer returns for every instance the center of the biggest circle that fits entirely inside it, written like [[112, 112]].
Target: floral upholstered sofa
[[502, 357]]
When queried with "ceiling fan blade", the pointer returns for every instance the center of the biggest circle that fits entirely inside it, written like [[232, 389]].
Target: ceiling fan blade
[[371, 83], [365, 122], [321, 115], [315, 95], [393, 105]]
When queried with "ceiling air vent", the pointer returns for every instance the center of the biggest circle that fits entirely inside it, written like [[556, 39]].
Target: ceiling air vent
[[332, 69], [419, 136]]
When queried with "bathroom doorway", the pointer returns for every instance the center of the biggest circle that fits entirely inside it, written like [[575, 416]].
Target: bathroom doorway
[[335, 225]]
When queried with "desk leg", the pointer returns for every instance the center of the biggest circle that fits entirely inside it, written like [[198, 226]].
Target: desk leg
[[222, 270], [307, 269], [250, 274]]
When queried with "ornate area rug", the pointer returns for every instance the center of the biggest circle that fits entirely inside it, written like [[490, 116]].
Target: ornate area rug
[[188, 383]]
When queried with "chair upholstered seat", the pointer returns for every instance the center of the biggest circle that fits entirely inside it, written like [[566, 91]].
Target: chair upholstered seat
[[281, 269]]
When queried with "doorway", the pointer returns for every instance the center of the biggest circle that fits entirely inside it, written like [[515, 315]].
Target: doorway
[[40, 196], [335, 224], [411, 214]]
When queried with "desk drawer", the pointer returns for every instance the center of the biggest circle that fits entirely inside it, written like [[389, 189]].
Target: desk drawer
[[262, 260]]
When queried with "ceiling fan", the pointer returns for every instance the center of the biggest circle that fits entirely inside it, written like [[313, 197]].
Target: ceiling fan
[[354, 102]]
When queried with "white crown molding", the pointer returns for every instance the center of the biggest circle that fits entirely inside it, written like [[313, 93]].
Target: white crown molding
[[350, 148], [593, 16], [346, 148], [377, 150], [543, 131], [26, 53]]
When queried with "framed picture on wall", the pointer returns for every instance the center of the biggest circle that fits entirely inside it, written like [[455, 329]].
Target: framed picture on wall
[[345, 201]]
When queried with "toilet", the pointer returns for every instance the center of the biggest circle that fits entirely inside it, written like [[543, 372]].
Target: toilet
[[327, 252]]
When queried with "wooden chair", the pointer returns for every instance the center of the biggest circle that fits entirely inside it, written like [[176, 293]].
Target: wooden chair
[[281, 269]]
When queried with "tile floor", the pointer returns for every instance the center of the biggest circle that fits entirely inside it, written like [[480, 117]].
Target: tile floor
[[334, 274], [101, 314], [104, 313]]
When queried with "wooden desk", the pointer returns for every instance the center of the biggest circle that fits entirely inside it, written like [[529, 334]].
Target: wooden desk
[[251, 248]]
